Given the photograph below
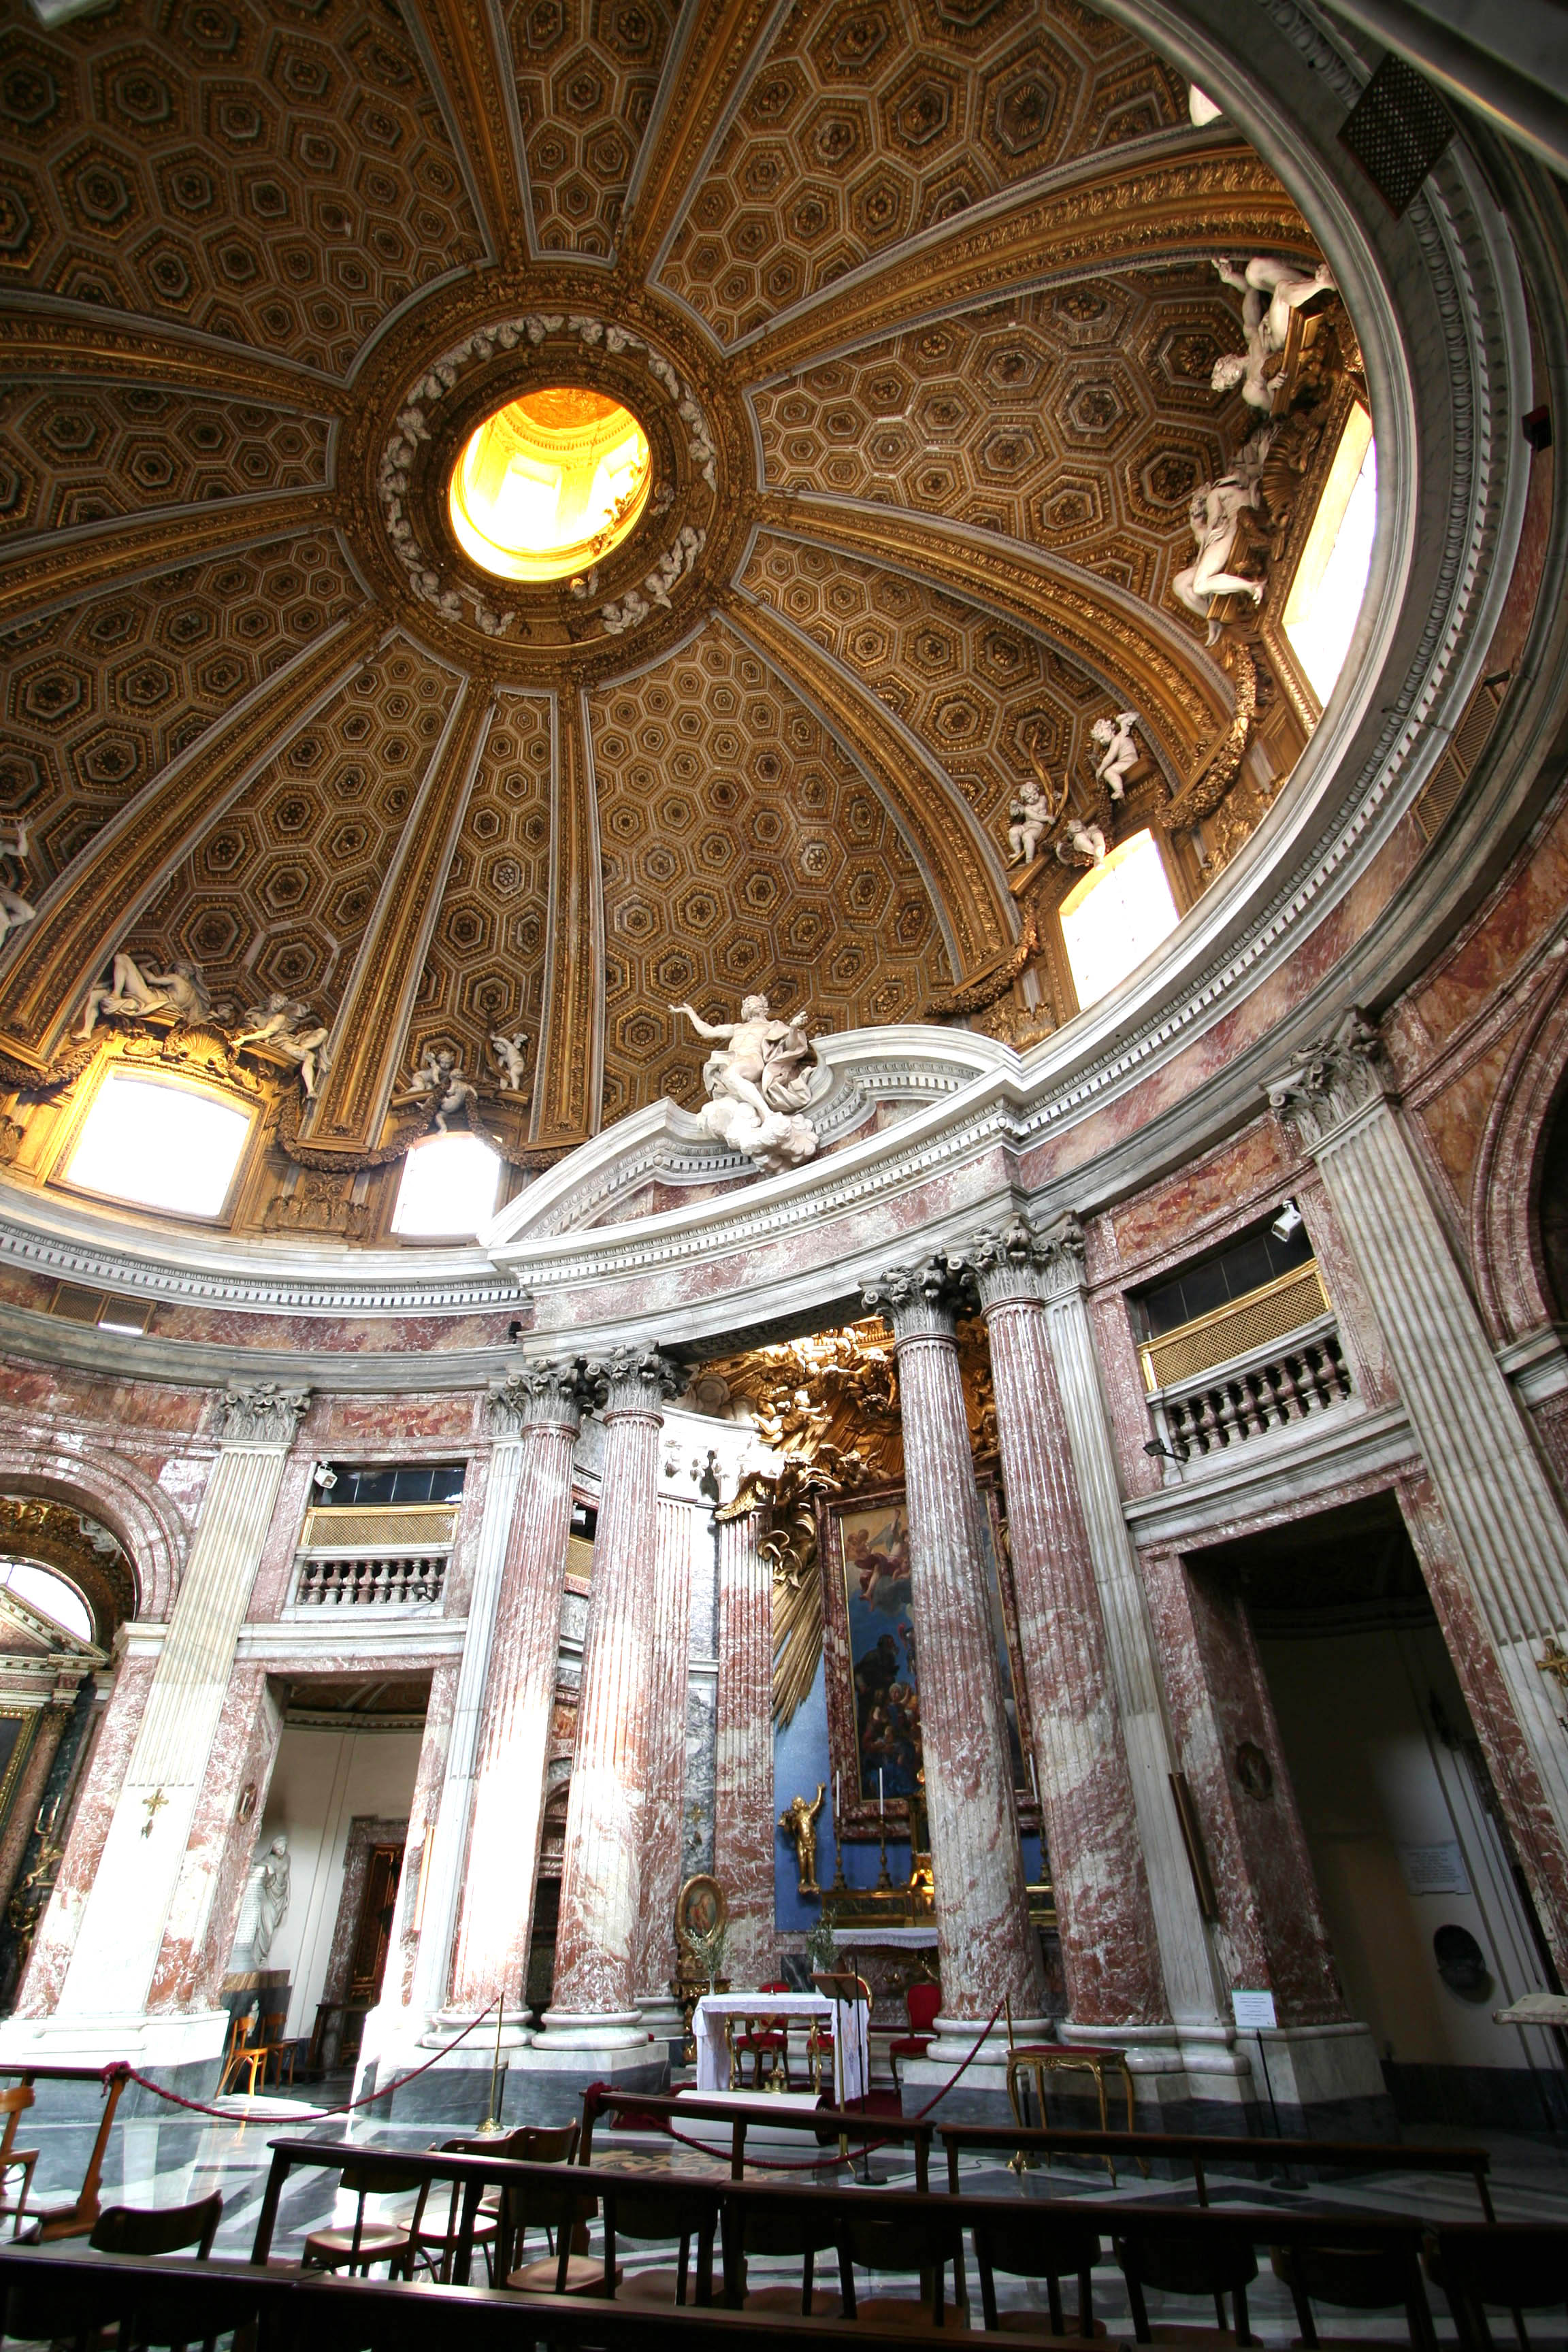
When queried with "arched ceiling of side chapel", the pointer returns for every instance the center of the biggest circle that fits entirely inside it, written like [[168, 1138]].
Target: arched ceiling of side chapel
[[235, 231]]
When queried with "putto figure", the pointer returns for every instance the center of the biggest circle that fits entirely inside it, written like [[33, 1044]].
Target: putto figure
[[511, 1058], [1271, 291], [439, 1074], [1215, 515], [758, 1083], [287, 1026], [1120, 752], [15, 910], [1032, 817]]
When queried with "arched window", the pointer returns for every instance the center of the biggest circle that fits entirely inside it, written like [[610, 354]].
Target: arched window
[[40, 1588], [449, 1187], [1326, 594], [1116, 916], [160, 1146]]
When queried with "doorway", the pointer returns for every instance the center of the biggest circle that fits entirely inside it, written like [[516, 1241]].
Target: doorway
[[1427, 1908]]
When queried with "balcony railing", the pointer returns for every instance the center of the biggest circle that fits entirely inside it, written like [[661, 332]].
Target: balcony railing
[[403, 1583]]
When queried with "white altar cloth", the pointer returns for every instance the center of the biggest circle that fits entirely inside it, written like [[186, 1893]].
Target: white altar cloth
[[848, 2020]]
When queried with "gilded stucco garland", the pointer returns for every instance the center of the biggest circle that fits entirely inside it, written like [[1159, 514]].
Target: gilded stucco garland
[[413, 426]]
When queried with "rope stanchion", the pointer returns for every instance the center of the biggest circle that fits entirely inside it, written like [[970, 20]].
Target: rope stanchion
[[120, 2070], [863, 2149]]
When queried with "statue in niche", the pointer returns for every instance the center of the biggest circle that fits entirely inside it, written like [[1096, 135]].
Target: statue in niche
[[263, 1908], [512, 1059], [1271, 291], [131, 994], [798, 1822], [758, 1083], [15, 910], [1118, 751], [440, 1074], [288, 1024], [1215, 515]]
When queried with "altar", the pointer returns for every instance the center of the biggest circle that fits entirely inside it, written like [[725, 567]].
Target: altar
[[846, 2019]]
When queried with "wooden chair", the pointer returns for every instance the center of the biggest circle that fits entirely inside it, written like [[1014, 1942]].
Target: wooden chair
[[1044, 2242], [1352, 2278], [801, 2231], [922, 2002], [492, 2233], [48, 2223], [37, 2309], [367, 2243], [657, 2212], [14, 2105], [564, 2216], [1512, 2266], [158, 2229], [1217, 2264], [884, 2241], [762, 2038]]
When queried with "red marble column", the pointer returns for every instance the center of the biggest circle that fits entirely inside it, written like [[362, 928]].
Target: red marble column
[[490, 1957], [1110, 1949], [743, 1759], [594, 2005], [987, 1947], [55, 1940], [679, 1525]]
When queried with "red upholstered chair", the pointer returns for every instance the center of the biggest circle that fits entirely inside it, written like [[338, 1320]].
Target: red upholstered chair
[[764, 2039], [922, 2002]]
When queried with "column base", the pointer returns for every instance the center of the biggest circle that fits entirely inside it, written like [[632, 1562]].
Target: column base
[[516, 2033], [956, 2037], [183, 2053], [661, 2016], [612, 2029]]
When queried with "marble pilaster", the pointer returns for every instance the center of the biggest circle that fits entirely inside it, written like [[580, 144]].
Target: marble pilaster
[[1495, 1494], [1110, 1949], [666, 1765], [594, 2004], [744, 1759], [1186, 1961], [139, 1869], [987, 1950], [490, 1958]]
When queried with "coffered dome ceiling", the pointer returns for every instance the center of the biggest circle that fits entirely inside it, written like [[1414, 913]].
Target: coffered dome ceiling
[[914, 303]]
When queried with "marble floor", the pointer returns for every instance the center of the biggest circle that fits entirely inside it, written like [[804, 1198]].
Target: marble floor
[[171, 2162]]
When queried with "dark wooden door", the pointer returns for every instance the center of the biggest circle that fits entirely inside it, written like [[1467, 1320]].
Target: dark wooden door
[[374, 1935]]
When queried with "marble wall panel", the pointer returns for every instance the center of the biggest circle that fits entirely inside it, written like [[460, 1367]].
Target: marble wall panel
[[205, 1911], [397, 1985]]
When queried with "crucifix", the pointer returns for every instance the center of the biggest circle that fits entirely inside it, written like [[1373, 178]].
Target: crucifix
[[155, 1804]]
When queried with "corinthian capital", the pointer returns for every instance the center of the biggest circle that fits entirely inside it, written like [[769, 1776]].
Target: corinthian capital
[[546, 1395], [921, 1301], [634, 1379], [1007, 1262], [264, 1415], [1326, 1084]]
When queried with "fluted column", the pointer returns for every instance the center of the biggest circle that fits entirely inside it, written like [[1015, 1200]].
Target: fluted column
[[987, 1947], [594, 2005], [1507, 1586], [489, 1961], [1110, 1950], [1187, 1962], [111, 1967], [743, 1753]]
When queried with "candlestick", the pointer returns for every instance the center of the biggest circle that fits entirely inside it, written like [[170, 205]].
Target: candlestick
[[882, 1806], [1034, 1781]]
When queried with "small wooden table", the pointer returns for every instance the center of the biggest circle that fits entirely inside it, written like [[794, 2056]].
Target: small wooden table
[[1042, 2058]]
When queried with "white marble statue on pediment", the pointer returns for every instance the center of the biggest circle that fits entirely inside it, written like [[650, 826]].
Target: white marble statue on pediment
[[758, 1082]]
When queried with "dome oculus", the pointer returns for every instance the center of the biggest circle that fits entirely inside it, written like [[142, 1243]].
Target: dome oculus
[[550, 483]]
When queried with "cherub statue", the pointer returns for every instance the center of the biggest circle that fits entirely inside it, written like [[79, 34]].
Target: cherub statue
[[509, 1051], [1214, 514], [1033, 818], [15, 910], [1081, 844], [757, 1084], [798, 1822], [1120, 753], [439, 1074], [1271, 291], [281, 1024]]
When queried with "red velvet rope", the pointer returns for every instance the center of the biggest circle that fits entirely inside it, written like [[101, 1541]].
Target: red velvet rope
[[120, 2070]]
